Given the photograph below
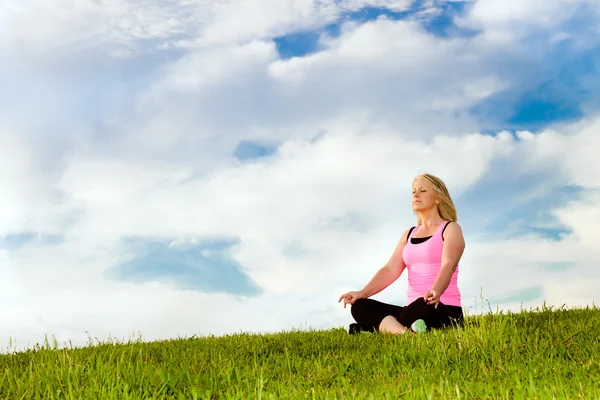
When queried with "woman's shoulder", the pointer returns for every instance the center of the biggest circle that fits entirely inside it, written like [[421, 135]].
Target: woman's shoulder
[[452, 225], [452, 228]]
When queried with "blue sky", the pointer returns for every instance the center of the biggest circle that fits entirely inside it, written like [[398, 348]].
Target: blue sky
[[206, 266], [15, 241], [220, 160], [248, 150]]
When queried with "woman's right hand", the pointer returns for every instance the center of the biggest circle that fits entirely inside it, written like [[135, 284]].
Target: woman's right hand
[[351, 297]]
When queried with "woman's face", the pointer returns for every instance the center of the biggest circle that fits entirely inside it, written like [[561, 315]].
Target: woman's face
[[423, 195]]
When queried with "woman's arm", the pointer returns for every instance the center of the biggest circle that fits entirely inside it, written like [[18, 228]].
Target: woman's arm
[[454, 246], [389, 272]]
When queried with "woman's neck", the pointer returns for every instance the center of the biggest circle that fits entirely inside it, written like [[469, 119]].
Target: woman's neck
[[430, 218]]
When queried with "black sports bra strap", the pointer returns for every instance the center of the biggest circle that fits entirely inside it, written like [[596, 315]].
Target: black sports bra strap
[[409, 232], [447, 223]]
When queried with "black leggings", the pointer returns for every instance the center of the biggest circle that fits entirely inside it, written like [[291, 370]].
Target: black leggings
[[369, 313]]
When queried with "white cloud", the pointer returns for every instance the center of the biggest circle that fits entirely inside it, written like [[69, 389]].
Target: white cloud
[[125, 29], [507, 21], [531, 12], [23, 185], [14, 160], [580, 159], [237, 21], [80, 24]]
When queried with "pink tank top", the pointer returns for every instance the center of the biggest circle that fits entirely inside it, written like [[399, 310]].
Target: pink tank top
[[423, 262]]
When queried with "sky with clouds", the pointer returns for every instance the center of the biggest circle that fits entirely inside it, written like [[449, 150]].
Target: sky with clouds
[[182, 168]]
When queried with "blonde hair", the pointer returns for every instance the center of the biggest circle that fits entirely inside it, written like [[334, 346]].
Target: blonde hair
[[446, 208]]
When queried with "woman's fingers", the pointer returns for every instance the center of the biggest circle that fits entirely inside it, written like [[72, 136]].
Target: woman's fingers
[[349, 298], [345, 298]]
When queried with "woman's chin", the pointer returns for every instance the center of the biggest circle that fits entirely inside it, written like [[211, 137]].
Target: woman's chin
[[420, 208]]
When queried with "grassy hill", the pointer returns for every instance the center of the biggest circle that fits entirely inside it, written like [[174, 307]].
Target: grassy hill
[[540, 354]]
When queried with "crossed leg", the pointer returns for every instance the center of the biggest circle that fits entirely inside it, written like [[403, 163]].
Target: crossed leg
[[372, 315]]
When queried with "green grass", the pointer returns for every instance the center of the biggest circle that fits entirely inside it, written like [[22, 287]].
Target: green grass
[[541, 354]]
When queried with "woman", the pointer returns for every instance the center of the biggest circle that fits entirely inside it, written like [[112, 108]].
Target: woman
[[430, 251]]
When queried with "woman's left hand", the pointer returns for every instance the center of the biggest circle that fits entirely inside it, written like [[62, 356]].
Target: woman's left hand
[[432, 297]]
